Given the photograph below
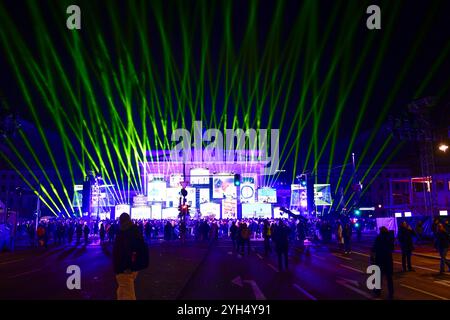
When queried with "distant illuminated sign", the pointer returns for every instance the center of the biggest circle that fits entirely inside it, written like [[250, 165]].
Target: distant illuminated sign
[[156, 190], [256, 210], [223, 187], [322, 195], [140, 213], [199, 176], [175, 180], [299, 197], [247, 192], [122, 208], [204, 195], [268, 195], [211, 210], [229, 209]]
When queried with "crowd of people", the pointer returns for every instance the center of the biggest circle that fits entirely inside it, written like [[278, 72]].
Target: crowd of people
[[276, 234]]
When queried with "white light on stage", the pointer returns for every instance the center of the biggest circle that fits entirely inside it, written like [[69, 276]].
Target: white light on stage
[[407, 214], [170, 213], [267, 195], [121, 208], [199, 176], [156, 191], [211, 210], [398, 214], [257, 210], [156, 211], [443, 212], [139, 213]]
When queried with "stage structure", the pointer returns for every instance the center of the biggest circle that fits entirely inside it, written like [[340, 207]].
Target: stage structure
[[212, 186]]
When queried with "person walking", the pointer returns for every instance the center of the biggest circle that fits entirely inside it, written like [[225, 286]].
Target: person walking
[[130, 254], [405, 238], [442, 241], [281, 239], [382, 257]]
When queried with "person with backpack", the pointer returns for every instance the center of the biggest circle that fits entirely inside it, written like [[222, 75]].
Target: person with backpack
[[130, 255]]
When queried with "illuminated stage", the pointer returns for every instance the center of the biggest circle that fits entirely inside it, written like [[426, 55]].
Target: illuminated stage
[[212, 189]]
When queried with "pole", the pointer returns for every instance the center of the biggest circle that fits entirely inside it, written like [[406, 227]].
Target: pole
[[38, 206]]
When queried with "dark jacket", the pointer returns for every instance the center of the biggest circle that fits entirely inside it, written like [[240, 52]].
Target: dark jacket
[[382, 250], [126, 240], [281, 238], [233, 231], [405, 237], [442, 240], [347, 232]]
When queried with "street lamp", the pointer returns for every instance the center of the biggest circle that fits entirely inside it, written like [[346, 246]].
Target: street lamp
[[443, 147]]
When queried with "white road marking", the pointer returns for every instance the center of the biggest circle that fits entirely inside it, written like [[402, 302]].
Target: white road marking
[[350, 268], [361, 254], [306, 293], [417, 267], [273, 267], [342, 257], [443, 282], [343, 282], [256, 291], [423, 291], [259, 256]]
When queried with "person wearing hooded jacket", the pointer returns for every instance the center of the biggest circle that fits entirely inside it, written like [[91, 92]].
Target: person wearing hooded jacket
[[125, 255]]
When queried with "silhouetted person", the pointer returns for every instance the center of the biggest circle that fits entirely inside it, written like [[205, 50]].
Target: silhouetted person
[[405, 235], [347, 235], [233, 234], [102, 232], [86, 233], [130, 254], [382, 256], [79, 232], [168, 231], [281, 239], [442, 240]]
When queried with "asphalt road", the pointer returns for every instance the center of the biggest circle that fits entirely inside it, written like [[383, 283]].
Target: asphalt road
[[321, 274], [214, 272]]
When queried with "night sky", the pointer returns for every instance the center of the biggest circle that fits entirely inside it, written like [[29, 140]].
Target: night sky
[[285, 55]]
